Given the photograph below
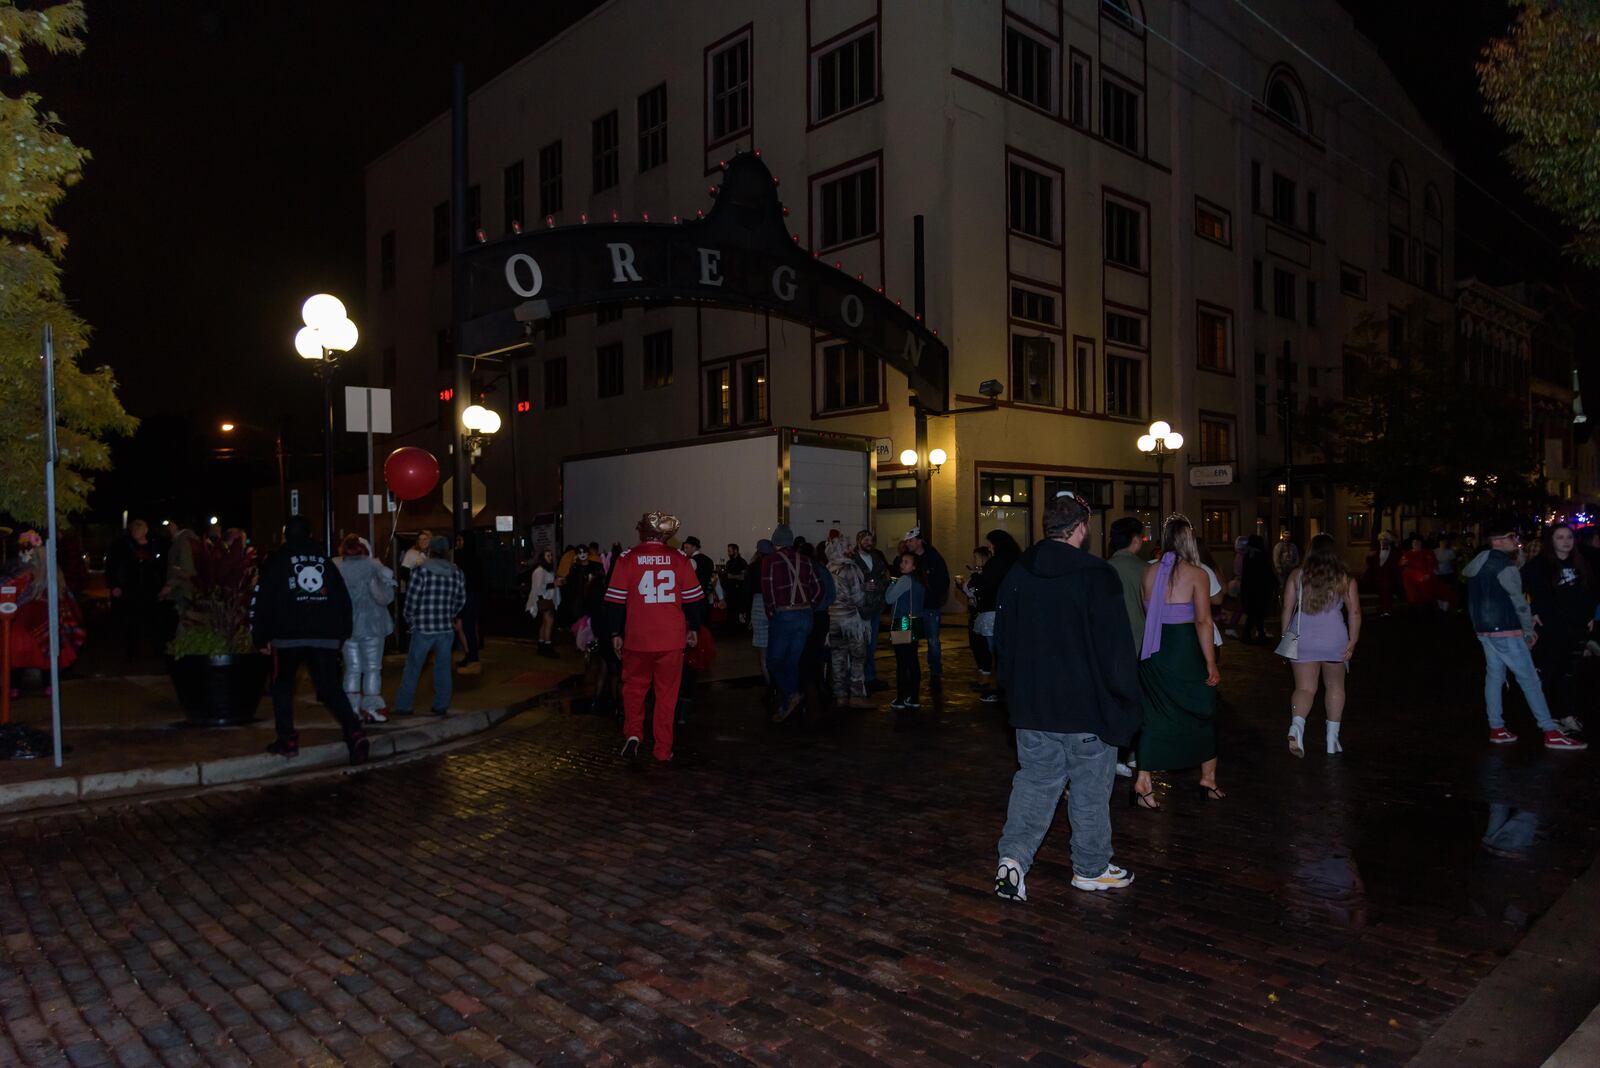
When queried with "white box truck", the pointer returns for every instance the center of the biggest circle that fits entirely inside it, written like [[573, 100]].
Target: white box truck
[[729, 490]]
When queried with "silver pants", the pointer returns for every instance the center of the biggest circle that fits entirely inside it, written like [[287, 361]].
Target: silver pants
[[363, 673]]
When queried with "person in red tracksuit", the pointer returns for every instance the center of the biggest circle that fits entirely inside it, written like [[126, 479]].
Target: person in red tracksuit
[[654, 602]]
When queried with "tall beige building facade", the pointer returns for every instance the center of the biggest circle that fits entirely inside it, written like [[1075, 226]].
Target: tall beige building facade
[[1133, 211]]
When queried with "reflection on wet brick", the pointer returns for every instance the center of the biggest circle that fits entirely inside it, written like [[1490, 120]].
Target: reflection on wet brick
[[812, 895]]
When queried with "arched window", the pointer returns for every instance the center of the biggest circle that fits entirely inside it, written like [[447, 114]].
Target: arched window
[[1126, 12], [1398, 184], [1431, 205], [1286, 98]]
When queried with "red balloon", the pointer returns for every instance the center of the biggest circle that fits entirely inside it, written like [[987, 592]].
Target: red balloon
[[411, 472]]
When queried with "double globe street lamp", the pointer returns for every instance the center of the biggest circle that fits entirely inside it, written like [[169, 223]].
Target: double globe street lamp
[[327, 333], [1160, 441]]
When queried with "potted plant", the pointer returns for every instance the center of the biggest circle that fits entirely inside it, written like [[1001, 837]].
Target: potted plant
[[216, 669]]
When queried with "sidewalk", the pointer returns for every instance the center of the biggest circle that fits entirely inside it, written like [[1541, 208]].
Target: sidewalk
[[126, 734]]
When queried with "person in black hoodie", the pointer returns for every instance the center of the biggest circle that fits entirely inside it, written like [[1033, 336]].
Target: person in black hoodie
[[1064, 655], [936, 579], [300, 613], [1562, 588]]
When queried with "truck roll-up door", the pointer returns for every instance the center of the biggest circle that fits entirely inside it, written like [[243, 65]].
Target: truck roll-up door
[[828, 489]]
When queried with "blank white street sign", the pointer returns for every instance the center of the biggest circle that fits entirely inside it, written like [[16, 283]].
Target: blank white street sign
[[355, 410]]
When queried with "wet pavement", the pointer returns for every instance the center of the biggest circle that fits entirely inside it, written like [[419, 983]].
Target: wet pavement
[[810, 894]]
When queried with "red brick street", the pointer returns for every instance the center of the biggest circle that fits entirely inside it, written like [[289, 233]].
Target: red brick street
[[810, 894]]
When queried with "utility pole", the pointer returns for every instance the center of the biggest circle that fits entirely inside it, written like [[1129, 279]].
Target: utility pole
[[461, 514], [919, 304]]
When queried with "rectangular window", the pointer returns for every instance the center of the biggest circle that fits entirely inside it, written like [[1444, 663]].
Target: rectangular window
[[1358, 527], [441, 232], [1124, 235], [1212, 223], [1215, 339], [474, 214], [1119, 114], [1352, 281], [1311, 212], [1261, 409], [1082, 397], [1311, 302], [1217, 526], [606, 316], [658, 359], [1397, 253], [1216, 440], [848, 207], [1125, 329], [653, 128], [390, 361], [1079, 88], [1124, 396], [513, 197], [728, 89], [718, 397], [604, 134], [1032, 203], [1033, 370], [1140, 496], [443, 351], [608, 369], [386, 261], [1283, 200], [1255, 185], [1284, 286], [753, 390], [550, 178], [1030, 68], [845, 76], [1005, 503], [555, 382], [850, 378], [1033, 306], [1430, 270]]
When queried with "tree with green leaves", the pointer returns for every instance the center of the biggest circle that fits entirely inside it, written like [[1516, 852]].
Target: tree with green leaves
[[1408, 431], [38, 164], [1542, 84]]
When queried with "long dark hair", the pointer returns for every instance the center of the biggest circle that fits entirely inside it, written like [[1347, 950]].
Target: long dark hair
[[1005, 546], [1579, 563]]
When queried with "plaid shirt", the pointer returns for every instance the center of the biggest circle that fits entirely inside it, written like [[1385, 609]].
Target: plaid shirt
[[435, 597], [789, 580]]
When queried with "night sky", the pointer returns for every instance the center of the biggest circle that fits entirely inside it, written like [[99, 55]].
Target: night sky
[[229, 142]]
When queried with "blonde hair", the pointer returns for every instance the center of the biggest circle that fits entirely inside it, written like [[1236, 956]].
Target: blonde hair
[[1177, 536], [1324, 578]]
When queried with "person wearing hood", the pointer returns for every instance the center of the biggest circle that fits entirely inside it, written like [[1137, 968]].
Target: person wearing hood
[[790, 587], [301, 613], [1064, 654], [371, 588], [437, 593]]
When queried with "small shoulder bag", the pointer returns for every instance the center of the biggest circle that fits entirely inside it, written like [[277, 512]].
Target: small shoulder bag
[[1289, 644]]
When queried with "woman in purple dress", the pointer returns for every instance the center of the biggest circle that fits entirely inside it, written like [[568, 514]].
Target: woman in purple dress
[[1322, 605]]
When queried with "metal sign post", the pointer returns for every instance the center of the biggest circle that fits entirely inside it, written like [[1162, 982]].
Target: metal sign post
[[50, 563], [368, 410]]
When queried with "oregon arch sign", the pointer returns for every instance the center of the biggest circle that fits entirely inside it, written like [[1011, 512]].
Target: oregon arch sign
[[740, 255]]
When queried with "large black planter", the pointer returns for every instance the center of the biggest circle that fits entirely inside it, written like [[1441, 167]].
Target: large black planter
[[219, 691]]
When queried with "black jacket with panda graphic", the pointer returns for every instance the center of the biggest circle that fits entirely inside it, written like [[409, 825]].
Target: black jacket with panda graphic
[[300, 599]]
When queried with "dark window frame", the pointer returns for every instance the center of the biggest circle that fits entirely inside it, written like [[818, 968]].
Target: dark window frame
[[550, 189], [650, 111], [610, 367], [738, 94], [606, 150], [834, 48]]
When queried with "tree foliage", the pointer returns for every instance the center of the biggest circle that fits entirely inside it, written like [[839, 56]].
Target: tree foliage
[[38, 164], [1542, 84], [1409, 431]]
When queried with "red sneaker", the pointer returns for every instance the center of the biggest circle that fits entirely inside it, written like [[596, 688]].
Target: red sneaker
[[1501, 736], [1557, 740]]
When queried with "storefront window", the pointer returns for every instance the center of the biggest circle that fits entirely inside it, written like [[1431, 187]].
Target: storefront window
[[1006, 502]]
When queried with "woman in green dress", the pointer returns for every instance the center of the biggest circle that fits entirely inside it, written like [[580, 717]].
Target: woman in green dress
[[1177, 668]]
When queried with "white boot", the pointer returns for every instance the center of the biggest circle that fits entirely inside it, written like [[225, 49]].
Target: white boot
[[1297, 736], [1333, 739]]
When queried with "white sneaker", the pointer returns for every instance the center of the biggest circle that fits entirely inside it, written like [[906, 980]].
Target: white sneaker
[[1124, 771], [1009, 882], [1113, 878], [1297, 740], [1570, 724]]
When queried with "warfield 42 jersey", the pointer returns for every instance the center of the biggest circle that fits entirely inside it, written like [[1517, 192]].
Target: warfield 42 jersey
[[655, 583]]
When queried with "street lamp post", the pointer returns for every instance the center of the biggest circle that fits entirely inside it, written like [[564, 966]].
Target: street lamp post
[[481, 424], [1160, 441], [328, 333], [923, 465]]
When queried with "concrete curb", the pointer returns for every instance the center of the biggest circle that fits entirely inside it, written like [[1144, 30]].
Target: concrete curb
[[385, 745], [1537, 998]]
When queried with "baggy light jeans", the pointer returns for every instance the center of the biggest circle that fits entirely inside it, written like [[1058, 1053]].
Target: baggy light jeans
[[439, 644], [1504, 653], [847, 646], [1049, 761], [363, 673]]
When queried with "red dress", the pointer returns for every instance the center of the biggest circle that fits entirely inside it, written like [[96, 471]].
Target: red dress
[[1416, 573], [30, 626]]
